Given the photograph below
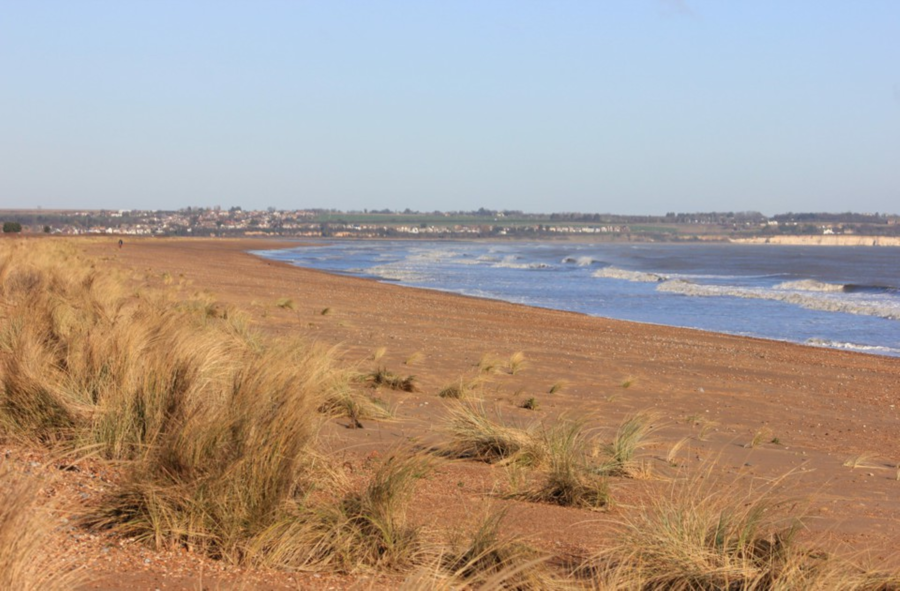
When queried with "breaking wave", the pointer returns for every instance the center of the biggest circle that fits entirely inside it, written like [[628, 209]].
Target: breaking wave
[[580, 261], [825, 303], [853, 347], [636, 276], [391, 273], [810, 285], [509, 262], [813, 285]]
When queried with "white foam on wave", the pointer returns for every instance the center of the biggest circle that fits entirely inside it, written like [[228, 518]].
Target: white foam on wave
[[505, 265], [434, 256], [853, 347], [394, 273], [821, 302], [810, 285], [509, 262], [580, 261], [636, 276]]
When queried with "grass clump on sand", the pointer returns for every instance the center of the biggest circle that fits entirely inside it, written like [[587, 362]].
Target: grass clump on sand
[[25, 524], [862, 460], [557, 453], [344, 401], [285, 303], [384, 377], [704, 535], [485, 559], [414, 358], [566, 476], [558, 386], [225, 468], [476, 436], [489, 364], [517, 362], [531, 403], [629, 438], [461, 388], [368, 528]]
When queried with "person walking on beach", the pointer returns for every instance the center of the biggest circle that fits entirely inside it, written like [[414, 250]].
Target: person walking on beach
[[120, 243]]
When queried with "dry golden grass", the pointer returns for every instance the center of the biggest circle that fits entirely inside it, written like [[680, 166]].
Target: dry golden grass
[[558, 386], [706, 534], [486, 559], [26, 521], [489, 364], [462, 388], [368, 528], [224, 468], [217, 424], [629, 438], [384, 377], [558, 453], [474, 435], [517, 362], [416, 357], [566, 477]]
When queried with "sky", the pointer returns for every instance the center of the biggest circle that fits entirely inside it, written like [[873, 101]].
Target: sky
[[637, 106]]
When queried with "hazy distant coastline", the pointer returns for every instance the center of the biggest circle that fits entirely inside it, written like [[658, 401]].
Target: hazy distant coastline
[[821, 240]]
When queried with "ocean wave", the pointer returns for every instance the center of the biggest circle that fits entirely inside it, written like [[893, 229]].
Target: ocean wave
[[511, 265], [821, 302], [435, 256], [636, 276], [509, 262], [810, 285], [813, 285], [853, 347], [580, 261], [391, 273]]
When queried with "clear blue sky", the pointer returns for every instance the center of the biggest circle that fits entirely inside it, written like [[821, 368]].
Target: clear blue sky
[[637, 106]]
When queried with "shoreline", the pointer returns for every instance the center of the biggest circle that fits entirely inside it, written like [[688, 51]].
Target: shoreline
[[846, 347]]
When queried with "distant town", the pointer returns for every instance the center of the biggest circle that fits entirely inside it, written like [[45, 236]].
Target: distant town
[[482, 223]]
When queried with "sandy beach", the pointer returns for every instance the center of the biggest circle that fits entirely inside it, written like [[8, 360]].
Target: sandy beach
[[823, 405], [739, 410]]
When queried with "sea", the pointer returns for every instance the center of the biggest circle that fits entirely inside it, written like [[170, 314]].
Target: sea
[[836, 297]]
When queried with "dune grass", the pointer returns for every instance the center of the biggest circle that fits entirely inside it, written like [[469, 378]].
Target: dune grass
[[362, 529], [630, 437], [462, 388], [517, 362], [486, 559], [384, 377], [217, 426], [26, 521], [558, 386], [707, 534], [531, 403], [558, 453], [566, 477], [345, 401], [489, 364], [414, 358], [863, 460], [474, 435]]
